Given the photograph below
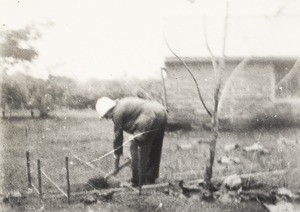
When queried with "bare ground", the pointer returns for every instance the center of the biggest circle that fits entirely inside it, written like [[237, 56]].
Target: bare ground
[[82, 134]]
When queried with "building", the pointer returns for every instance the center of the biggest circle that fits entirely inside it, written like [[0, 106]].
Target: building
[[259, 89]]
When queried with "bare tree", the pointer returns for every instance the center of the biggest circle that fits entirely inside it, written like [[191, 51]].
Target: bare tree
[[215, 120], [218, 68], [220, 90]]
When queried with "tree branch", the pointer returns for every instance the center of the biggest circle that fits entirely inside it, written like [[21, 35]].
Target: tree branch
[[294, 69], [215, 120], [213, 58], [192, 75], [239, 67]]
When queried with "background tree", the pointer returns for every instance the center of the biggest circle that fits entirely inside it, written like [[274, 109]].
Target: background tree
[[12, 93], [15, 49], [16, 44]]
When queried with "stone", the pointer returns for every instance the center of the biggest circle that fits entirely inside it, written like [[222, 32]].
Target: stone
[[280, 207], [15, 194], [29, 191], [256, 147], [224, 160], [225, 199], [229, 160], [233, 182], [230, 147], [89, 200], [184, 146], [284, 192]]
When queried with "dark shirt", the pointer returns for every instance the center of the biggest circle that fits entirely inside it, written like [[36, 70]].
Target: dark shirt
[[135, 115]]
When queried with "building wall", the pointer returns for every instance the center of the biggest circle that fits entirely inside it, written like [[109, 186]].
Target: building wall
[[249, 92]]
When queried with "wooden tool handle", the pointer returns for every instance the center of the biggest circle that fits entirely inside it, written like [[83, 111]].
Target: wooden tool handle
[[116, 171]]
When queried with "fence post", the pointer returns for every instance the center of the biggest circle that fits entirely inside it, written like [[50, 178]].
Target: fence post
[[140, 169], [68, 180], [28, 169], [26, 131], [40, 178]]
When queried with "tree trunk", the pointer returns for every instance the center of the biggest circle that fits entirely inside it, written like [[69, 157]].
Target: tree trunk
[[213, 142], [215, 120]]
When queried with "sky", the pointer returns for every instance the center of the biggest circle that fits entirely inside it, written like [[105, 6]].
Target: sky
[[125, 38]]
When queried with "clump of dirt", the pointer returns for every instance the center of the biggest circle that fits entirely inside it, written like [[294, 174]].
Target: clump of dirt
[[98, 183], [102, 183]]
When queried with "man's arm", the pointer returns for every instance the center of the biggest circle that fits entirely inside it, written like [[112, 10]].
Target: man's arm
[[118, 142]]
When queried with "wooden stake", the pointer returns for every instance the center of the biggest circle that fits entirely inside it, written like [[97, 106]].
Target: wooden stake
[[140, 170], [40, 179], [114, 172], [26, 131], [68, 180], [28, 169]]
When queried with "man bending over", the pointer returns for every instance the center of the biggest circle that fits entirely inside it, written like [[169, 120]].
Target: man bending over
[[144, 118]]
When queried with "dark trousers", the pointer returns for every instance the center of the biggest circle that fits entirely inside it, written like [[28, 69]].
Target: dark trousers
[[150, 148]]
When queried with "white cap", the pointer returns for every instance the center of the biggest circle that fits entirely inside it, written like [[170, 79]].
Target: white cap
[[103, 105]]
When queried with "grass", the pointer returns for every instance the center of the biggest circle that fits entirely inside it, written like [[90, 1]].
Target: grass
[[83, 134]]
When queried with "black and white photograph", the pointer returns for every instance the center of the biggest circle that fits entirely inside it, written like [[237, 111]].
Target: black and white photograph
[[150, 105]]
